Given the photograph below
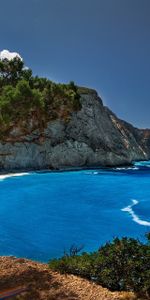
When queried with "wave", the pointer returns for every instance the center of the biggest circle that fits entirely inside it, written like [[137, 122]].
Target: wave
[[145, 163], [126, 168], [135, 217], [2, 177], [92, 173]]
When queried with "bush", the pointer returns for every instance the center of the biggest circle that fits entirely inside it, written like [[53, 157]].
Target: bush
[[24, 97], [17, 102], [123, 265]]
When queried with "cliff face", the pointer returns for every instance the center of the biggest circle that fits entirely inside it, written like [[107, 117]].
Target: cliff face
[[93, 136]]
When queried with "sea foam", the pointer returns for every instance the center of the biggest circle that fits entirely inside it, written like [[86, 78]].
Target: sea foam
[[5, 176], [126, 168], [135, 217]]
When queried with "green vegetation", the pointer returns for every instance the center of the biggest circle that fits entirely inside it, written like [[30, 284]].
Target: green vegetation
[[123, 265], [85, 90], [24, 97]]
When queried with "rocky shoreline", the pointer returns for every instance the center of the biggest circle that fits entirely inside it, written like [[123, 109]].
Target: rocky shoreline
[[64, 169]]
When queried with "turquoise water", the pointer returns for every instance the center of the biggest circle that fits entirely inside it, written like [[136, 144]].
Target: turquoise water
[[43, 214]]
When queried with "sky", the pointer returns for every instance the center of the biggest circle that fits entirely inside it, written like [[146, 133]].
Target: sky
[[102, 44]]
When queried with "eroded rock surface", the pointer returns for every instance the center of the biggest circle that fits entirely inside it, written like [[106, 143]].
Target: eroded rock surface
[[93, 136]]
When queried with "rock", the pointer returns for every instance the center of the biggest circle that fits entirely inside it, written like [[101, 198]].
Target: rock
[[93, 136]]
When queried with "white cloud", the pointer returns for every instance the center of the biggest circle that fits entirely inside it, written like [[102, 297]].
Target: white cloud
[[9, 55]]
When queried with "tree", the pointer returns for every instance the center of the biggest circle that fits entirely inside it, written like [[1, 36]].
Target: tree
[[123, 264], [24, 97], [72, 86], [26, 74], [11, 70]]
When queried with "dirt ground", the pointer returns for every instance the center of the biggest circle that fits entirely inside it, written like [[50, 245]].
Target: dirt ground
[[44, 284]]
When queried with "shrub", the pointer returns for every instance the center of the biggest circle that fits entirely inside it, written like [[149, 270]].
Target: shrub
[[23, 96], [17, 102], [123, 264]]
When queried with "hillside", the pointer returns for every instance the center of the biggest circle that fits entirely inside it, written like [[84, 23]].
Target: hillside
[[44, 284]]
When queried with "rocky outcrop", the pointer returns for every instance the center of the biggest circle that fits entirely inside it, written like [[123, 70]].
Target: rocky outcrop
[[93, 136]]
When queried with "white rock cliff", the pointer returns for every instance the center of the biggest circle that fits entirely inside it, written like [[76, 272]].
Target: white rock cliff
[[94, 136]]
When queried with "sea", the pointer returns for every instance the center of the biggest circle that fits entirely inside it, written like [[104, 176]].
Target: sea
[[44, 214]]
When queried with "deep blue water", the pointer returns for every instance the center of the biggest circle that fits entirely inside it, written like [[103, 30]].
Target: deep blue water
[[43, 214]]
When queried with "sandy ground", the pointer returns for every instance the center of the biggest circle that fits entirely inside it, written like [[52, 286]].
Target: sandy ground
[[42, 283]]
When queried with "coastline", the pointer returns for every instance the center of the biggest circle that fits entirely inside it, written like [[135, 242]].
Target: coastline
[[36, 275], [13, 172]]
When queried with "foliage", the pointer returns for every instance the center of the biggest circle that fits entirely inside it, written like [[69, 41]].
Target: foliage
[[23, 96], [10, 70], [17, 102], [123, 264]]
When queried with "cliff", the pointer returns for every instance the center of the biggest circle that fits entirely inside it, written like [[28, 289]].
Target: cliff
[[91, 136]]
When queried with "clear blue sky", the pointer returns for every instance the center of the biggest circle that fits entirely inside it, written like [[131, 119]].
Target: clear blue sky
[[103, 44]]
